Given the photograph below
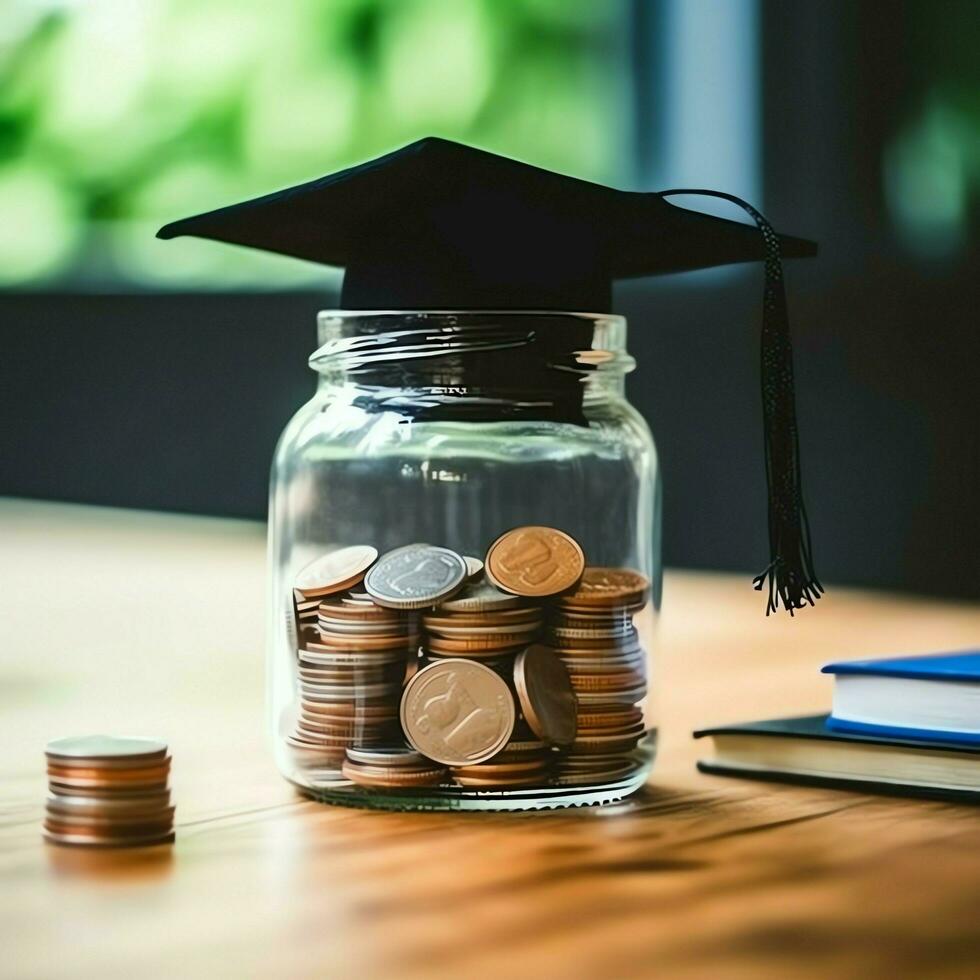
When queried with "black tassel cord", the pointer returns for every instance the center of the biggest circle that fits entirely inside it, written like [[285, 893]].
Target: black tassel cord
[[790, 575]]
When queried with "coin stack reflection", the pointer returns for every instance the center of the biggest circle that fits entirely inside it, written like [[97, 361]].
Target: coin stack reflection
[[592, 632], [351, 678], [106, 791]]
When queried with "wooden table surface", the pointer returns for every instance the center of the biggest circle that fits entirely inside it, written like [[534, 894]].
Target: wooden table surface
[[132, 622]]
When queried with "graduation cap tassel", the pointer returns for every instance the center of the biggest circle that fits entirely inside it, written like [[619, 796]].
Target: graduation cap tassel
[[790, 575]]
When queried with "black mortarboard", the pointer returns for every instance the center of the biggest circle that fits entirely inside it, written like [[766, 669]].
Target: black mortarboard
[[440, 226]]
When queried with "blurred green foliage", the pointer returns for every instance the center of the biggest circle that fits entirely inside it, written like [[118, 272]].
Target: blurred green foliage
[[119, 115]]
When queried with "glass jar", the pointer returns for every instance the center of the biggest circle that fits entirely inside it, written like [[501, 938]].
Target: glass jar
[[452, 429]]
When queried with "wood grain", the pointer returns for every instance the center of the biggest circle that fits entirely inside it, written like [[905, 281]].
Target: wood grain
[[134, 622]]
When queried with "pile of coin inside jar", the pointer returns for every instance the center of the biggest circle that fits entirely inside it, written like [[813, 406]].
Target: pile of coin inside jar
[[108, 791], [425, 668]]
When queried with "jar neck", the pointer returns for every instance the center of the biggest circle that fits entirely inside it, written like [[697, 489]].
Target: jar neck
[[473, 365]]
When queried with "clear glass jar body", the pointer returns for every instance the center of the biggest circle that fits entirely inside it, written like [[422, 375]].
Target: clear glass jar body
[[451, 429]]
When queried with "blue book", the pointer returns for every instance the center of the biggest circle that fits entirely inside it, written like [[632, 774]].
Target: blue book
[[932, 698]]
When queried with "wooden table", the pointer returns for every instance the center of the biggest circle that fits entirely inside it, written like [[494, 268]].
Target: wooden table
[[133, 622]]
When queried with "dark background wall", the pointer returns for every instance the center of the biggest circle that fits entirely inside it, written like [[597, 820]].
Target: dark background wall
[[175, 401]]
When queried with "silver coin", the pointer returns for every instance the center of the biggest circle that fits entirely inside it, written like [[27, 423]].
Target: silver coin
[[152, 802], [350, 658], [474, 567], [106, 747], [393, 757], [394, 628], [415, 576]]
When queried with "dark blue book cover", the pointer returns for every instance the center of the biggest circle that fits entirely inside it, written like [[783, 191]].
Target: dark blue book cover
[[814, 727]]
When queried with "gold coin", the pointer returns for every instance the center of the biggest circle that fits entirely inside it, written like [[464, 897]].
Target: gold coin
[[336, 571], [614, 716], [97, 840], [607, 682], [480, 643], [487, 769], [501, 782], [526, 614], [490, 632], [111, 777], [392, 777], [457, 712], [546, 695], [535, 562], [608, 587]]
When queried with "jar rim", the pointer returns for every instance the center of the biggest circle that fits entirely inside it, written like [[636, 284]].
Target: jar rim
[[576, 314]]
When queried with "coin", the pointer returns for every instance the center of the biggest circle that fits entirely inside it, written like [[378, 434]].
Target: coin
[[503, 631], [535, 562], [119, 776], [399, 756], [500, 782], [415, 576], [607, 682], [525, 614], [317, 654], [492, 645], [392, 777], [546, 695], [486, 769], [69, 806], [610, 715], [362, 643], [481, 597], [110, 748], [335, 571], [457, 712], [474, 568], [105, 840], [608, 587]]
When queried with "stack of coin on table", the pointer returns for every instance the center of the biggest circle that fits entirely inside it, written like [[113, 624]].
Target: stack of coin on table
[[490, 707], [352, 671], [592, 632], [107, 791]]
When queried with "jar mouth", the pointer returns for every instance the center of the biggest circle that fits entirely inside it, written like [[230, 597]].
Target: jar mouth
[[352, 340]]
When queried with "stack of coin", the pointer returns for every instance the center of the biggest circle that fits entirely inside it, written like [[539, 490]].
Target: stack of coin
[[524, 761], [592, 632], [352, 657], [351, 677], [481, 623], [106, 791], [392, 768]]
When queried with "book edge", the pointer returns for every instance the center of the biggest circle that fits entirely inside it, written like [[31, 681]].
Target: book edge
[[872, 787]]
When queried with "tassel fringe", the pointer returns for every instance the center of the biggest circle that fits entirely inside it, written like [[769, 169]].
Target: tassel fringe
[[790, 575]]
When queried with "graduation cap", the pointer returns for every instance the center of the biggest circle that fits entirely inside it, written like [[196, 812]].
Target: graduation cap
[[441, 226]]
